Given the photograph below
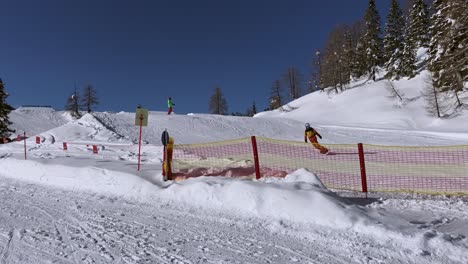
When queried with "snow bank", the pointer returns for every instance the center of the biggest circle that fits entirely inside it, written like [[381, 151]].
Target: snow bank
[[89, 179], [299, 197]]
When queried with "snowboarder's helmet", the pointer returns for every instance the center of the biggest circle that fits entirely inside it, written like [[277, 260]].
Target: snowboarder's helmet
[[307, 125]]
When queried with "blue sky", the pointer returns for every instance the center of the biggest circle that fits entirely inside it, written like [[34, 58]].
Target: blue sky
[[141, 52]]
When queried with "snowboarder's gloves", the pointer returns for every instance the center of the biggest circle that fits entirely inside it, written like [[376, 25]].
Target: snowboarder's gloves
[[305, 140], [320, 137]]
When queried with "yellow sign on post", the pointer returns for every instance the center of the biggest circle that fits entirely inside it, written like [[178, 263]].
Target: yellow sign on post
[[141, 117]]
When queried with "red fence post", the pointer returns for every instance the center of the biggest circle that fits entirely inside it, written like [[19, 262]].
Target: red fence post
[[38, 140], [95, 150], [255, 153], [362, 164], [65, 147], [18, 138]]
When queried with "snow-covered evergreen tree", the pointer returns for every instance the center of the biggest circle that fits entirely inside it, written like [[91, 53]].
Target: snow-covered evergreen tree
[[360, 64], [372, 40], [5, 109], [418, 24], [456, 52], [449, 45], [438, 44], [394, 40], [408, 59]]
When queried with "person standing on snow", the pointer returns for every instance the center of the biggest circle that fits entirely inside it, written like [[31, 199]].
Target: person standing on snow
[[311, 134], [169, 105]]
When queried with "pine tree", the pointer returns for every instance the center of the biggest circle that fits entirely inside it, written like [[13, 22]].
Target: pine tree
[[254, 109], [5, 109], [372, 41], [89, 98], [393, 40], [449, 45], [456, 52], [438, 43], [418, 24], [218, 104], [276, 95], [408, 60], [251, 111], [72, 104], [356, 55], [360, 64]]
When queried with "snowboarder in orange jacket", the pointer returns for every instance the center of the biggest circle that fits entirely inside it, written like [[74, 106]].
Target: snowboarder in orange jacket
[[311, 134]]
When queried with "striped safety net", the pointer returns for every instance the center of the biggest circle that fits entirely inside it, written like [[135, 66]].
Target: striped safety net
[[225, 158], [442, 169], [387, 168], [339, 169]]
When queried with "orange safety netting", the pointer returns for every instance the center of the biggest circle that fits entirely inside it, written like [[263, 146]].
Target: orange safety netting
[[387, 168]]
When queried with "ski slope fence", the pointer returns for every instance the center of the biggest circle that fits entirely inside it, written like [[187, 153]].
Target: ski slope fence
[[356, 167]]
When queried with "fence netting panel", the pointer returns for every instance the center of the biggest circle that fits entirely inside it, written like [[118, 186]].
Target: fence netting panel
[[225, 158], [340, 169], [388, 168], [417, 169]]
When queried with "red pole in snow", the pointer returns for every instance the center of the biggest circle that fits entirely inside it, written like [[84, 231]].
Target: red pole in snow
[[24, 144], [362, 164], [255, 152], [139, 141]]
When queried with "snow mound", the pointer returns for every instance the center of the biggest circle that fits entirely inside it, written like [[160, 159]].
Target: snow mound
[[304, 175], [85, 129], [89, 179], [299, 197]]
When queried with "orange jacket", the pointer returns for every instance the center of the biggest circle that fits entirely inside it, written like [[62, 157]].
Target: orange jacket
[[310, 132]]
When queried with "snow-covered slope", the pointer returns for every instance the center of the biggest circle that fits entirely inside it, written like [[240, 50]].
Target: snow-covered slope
[[35, 120], [197, 128], [369, 105]]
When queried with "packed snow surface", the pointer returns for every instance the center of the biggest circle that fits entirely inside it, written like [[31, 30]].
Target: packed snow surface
[[78, 207]]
